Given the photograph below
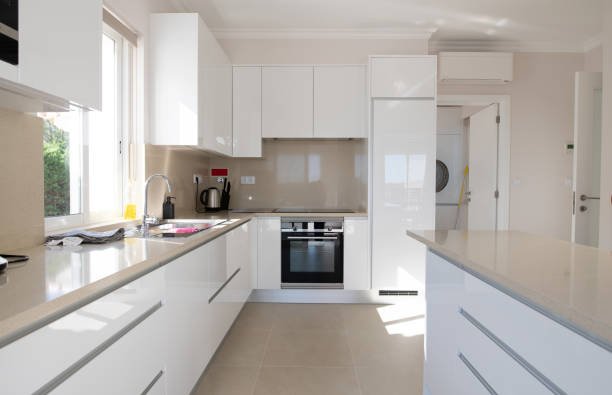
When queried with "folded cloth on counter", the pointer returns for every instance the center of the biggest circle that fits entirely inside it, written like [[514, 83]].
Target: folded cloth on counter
[[79, 236]]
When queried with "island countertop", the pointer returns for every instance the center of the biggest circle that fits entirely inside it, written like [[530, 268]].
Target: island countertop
[[569, 283]]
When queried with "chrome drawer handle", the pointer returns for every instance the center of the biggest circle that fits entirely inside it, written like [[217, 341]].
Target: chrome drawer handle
[[218, 291], [476, 374], [311, 238], [153, 382], [552, 387]]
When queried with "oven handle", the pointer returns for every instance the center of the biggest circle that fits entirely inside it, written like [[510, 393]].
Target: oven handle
[[312, 238]]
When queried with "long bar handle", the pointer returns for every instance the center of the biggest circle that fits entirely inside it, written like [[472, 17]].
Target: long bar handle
[[311, 238], [585, 197]]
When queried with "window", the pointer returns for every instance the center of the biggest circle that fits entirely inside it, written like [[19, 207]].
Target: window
[[85, 155]]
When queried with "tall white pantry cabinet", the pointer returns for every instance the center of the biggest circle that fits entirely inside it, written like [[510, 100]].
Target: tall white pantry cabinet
[[403, 146]]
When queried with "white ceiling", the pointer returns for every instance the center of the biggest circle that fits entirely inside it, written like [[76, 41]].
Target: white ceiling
[[557, 24]]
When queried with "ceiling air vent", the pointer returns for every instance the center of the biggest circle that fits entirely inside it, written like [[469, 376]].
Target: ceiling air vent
[[394, 292]]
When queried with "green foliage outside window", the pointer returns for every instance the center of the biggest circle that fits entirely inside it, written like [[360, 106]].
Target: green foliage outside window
[[56, 152]]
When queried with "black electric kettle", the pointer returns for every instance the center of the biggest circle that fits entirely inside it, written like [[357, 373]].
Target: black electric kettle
[[211, 199]]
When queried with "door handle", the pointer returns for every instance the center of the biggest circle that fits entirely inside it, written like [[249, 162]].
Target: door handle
[[583, 209], [585, 197]]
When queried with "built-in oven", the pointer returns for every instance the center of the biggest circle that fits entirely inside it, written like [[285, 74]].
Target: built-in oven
[[312, 253], [9, 28]]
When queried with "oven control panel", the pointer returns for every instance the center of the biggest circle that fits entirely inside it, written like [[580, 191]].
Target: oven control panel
[[312, 225]]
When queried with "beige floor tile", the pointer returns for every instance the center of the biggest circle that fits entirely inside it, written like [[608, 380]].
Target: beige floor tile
[[231, 380], [257, 316], [242, 347], [391, 380], [362, 317], [306, 381], [304, 317], [375, 349], [307, 348]]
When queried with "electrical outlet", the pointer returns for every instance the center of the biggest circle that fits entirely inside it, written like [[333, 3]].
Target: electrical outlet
[[199, 178]]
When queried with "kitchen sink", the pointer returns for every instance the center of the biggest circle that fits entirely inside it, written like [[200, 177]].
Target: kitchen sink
[[177, 227]]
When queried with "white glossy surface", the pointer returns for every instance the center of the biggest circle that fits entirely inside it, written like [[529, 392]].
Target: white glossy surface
[[403, 190], [59, 53], [247, 112], [287, 102], [403, 76], [473, 66], [356, 254], [340, 102], [269, 259]]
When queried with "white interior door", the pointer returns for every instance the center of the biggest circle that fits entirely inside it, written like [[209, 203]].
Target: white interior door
[[587, 158], [483, 177]]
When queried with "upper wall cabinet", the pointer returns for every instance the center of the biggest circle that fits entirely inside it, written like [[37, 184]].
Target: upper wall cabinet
[[247, 111], [405, 76], [287, 102], [60, 55], [340, 102], [191, 85]]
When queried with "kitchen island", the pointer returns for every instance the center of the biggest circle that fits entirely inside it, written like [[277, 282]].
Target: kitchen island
[[511, 312]]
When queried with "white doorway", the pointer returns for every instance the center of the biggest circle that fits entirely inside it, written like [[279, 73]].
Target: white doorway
[[473, 144], [587, 158]]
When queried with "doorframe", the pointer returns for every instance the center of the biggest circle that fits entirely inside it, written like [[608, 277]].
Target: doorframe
[[503, 204]]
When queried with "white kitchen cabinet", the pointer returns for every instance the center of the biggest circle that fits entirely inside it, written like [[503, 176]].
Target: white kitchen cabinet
[[247, 111], [191, 85], [59, 54], [287, 102], [269, 247], [403, 76], [340, 102], [356, 253], [68, 341]]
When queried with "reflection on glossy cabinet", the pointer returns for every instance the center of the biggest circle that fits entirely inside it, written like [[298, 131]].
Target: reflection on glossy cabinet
[[287, 98], [191, 85], [403, 76], [356, 253], [247, 112], [269, 259], [340, 101]]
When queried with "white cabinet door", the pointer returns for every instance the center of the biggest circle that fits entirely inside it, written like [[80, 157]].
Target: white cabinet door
[[356, 254], [247, 112], [60, 49], [403, 76], [404, 173], [269, 260], [287, 96], [187, 317], [340, 102]]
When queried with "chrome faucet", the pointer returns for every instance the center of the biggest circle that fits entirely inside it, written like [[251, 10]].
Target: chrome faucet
[[146, 219]]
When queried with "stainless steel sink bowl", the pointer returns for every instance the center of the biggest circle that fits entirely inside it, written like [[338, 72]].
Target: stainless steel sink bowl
[[177, 227]]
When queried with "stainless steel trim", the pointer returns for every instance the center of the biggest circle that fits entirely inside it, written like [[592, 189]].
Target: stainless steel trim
[[513, 354], [9, 31], [75, 367], [312, 286], [153, 382], [218, 291], [312, 219], [476, 374], [447, 204], [334, 230], [312, 238]]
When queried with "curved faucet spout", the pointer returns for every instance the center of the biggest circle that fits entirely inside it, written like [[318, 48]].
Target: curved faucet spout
[[145, 217]]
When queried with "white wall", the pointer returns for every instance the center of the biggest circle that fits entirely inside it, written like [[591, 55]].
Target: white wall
[[605, 204], [593, 59], [542, 96]]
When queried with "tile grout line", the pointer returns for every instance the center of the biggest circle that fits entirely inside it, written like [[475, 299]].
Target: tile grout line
[[351, 354], [263, 357]]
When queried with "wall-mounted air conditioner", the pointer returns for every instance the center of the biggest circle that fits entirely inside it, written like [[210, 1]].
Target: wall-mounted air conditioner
[[475, 67]]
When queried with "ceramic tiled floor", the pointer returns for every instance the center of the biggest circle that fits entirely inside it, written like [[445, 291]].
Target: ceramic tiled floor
[[318, 349]]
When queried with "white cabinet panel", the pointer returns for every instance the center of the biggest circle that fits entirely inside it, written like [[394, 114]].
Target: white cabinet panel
[[287, 102], [269, 260], [404, 154], [247, 112], [356, 254], [403, 76], [340, 102], [59, 53]]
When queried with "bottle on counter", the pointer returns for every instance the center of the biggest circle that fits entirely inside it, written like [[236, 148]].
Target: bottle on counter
[[168, 208]]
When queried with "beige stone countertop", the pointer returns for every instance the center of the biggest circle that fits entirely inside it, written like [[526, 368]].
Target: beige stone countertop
[[58, 280], [569, 283]]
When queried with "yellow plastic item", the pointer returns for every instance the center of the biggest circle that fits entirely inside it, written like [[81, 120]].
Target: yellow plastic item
[[130, 211]]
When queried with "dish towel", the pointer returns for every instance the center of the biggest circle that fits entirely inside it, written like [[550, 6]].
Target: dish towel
[[79, 236]]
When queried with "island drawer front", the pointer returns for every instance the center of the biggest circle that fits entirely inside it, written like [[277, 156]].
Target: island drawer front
[[32, 362], [503, 373], [575, 364]]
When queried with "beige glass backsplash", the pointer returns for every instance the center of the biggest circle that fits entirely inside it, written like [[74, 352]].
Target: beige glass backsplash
[[301, 173]]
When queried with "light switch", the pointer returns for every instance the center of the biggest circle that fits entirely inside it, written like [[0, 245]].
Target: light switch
[[247, 180]]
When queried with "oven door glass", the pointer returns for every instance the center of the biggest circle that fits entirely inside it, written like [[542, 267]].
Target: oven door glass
[[310, 258]]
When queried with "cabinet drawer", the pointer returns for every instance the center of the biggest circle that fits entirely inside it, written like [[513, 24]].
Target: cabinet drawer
[[131, 365], [504, 374], [570, 361], [45, 355]]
